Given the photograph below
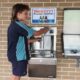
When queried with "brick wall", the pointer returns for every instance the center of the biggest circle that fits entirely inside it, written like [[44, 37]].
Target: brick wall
[[66, 68]]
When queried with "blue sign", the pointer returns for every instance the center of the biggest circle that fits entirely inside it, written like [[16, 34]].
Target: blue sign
[[43, 16]]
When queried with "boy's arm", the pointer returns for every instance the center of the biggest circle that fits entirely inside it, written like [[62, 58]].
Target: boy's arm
[[41, 31], [32, 32], [33, 40], [38, 33]]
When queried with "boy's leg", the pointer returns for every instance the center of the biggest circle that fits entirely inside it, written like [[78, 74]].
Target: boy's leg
[[15, 77], [19, 69]]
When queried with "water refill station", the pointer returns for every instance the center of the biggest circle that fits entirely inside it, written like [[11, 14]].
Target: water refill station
[[43, 53], [71, 34]]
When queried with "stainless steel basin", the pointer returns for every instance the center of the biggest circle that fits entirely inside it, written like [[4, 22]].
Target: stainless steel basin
[[42, 67], [43, 61]]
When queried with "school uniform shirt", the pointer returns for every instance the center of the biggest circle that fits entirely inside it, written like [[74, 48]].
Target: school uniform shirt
[[18, 34]]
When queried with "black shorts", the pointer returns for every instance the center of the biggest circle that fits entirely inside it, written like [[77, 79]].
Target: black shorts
[[19, 68]]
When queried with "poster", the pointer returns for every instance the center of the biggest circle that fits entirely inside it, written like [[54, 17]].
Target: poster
[[43, 16]]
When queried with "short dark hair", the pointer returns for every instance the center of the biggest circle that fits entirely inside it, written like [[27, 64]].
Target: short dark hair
[[19, 7]]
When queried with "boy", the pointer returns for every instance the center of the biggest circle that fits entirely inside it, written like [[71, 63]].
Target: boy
[[18, 38]]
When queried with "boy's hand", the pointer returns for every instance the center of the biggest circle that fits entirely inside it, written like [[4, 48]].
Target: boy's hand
[[41, 31], [33, 40], [46, 29]]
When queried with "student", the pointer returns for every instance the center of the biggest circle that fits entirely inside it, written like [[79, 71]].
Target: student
[[19, 34]]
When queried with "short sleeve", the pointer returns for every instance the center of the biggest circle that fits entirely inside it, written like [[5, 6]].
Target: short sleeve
[[30, 32], [27, 28]]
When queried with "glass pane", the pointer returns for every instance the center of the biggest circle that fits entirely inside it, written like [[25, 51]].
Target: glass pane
[[71, 21]]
